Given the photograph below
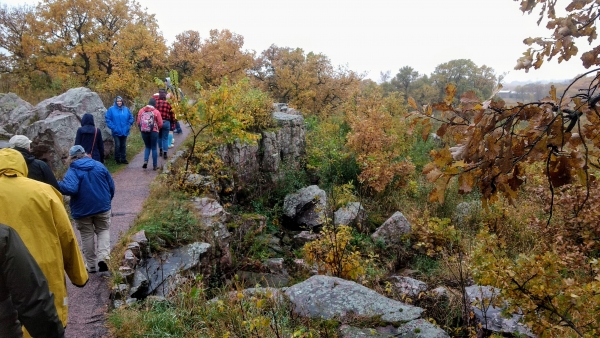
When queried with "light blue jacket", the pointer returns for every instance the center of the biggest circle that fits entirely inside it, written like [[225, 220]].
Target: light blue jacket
[[119, 119]]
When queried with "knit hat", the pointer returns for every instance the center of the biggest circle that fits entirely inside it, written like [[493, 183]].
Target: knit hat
[[152, 102], [75, 150], [20, 141]]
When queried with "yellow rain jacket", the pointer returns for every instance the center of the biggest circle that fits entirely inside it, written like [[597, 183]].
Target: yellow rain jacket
[[36, 211]]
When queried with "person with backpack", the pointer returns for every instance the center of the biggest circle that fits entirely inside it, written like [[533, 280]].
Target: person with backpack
[[90, 138], [168, 118], [119, 120], [150, 122]]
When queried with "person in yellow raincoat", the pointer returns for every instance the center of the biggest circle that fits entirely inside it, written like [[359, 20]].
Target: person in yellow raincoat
[[36, 212]]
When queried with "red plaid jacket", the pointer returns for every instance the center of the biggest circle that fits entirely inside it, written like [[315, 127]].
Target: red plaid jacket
[[166, 111]]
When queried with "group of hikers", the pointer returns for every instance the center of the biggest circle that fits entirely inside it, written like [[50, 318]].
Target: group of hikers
[[37, 243]]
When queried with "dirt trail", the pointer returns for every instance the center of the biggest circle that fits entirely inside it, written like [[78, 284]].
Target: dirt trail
[[88, 305]]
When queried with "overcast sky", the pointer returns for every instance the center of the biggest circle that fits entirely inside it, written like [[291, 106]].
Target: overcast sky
[[374, 36]]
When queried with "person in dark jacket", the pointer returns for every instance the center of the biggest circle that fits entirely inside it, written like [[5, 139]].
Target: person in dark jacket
[[24, 293], [37, 170], [90, 138], [91, 189], [119, 119]]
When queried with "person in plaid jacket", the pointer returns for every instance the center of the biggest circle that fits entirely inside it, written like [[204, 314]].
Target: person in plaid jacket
[[168, 117]]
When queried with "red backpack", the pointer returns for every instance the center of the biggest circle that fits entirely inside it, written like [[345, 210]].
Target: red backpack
[[147, 121]]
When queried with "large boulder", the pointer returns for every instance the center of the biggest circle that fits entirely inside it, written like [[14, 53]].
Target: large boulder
[[491, 317], [160, 275], [52, 124], [307, 207], [14, 113], [331, 297], [352, 214], [392, 230]]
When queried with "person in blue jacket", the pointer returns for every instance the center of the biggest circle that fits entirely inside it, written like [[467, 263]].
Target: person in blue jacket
[[91, 188], [119, 120], [90, 138]]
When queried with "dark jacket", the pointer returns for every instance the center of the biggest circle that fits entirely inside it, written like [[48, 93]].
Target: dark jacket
[[38, 170], [90, 186], [85, 138], [119, 119], [30, 299]]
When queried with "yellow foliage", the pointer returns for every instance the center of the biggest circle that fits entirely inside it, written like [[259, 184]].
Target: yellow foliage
[[333, 254], [434, 236]]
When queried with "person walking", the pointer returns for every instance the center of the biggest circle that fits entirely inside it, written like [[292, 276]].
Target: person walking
[[90, 138], [37, 170], [168, 118], [119, 120], [150, 121], [92, 189], [24, 293], [36, 212]]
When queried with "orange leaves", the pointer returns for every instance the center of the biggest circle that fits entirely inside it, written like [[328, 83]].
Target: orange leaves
[[450, 92]]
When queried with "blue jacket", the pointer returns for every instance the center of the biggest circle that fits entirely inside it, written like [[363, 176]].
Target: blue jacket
[[90, 186], [85, 138], [119, 119]]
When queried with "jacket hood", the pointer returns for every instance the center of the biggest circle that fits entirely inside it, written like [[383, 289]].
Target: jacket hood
[[26, 154], [12, 163], [119, 98], [84, 163], [87, 120]]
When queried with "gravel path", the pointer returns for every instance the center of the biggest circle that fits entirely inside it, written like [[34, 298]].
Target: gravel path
[[88, 305]]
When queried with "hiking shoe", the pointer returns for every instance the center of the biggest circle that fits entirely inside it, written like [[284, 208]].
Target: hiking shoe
[[154, 168], [159, 152], [102, 266], [145, 165], [165, 155], [125, 162]]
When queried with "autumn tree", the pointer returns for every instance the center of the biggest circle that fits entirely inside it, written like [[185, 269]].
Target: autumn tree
[[465, 75], [378, 139], [308, 82], [184, 54], [404, 79], [221, 55]]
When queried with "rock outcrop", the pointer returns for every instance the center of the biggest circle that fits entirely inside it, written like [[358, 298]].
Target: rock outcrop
[[52, 124], [284, 144]]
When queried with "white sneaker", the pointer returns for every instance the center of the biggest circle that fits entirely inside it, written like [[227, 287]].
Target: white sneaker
[[171, 146]]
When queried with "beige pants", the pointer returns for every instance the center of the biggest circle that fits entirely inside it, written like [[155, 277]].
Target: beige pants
[[97, 224]]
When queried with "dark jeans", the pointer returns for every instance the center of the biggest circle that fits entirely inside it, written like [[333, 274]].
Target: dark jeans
[[150, 141], [163, 136], [120, 148], [178, 128]]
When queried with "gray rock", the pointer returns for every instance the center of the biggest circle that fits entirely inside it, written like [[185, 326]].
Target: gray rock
[[140, 238], [330, 297], [15, 113], [352, 214], [347, 331], [490, 316], [135, 249], [408, 286], [275, 266], [421, 328], [392, 230], [304, 237], [129, 259], [284, 144], [159, 274], [307, 207]]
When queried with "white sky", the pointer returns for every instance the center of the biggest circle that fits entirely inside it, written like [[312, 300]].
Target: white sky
[[374, 35]]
